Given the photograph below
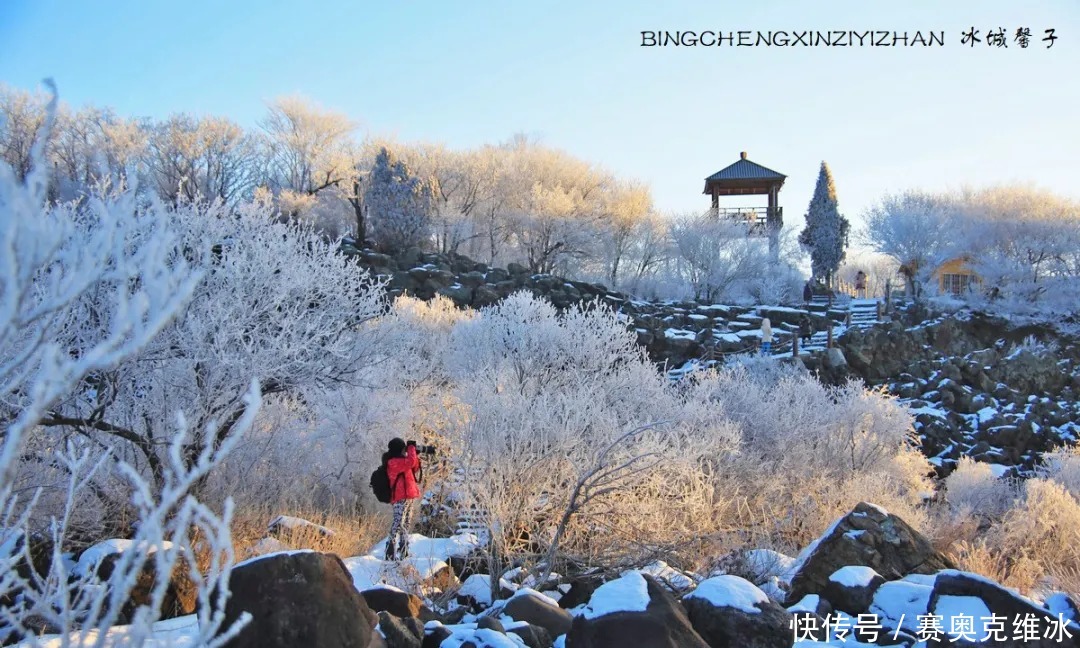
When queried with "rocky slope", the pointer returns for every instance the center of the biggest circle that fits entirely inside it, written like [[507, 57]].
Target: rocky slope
[[673, 333], [870, 579], [978, 386]]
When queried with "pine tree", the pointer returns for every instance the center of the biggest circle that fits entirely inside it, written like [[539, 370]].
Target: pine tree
[[826, 233], [400, 204]]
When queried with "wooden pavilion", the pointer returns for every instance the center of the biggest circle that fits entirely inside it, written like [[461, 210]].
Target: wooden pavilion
[[746, 178]]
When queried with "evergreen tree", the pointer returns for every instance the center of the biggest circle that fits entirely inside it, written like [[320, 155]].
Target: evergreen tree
[[826, 233], [400, 204]]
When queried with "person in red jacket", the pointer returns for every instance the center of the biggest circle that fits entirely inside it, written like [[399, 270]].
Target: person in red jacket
[[402, 463]]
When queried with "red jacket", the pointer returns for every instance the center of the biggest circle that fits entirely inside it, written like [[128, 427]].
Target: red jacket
[[402, 480]]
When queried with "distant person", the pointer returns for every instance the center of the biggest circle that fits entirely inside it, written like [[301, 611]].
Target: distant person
[[860, 284], [807, 293], [402, 463], [766, 336], [806, 329]]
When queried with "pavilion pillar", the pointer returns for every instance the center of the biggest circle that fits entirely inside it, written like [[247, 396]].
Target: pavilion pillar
[[715, 200], [773, 224]]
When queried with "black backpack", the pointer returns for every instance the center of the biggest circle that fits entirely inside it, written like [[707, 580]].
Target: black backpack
[[380, 483]]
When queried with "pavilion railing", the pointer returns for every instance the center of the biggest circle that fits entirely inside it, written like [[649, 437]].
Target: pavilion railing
[[755, 218]]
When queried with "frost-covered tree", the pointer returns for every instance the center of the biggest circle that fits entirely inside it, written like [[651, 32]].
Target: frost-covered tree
[[275, 303], [83, 288], [826, 233], [809, 452], [714, 254], [209, 158], [307, 152], [400, 203], [917, 229], [571, 441], [22, 114]]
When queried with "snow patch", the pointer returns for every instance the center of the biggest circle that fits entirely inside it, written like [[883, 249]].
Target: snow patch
[[630, 593], [730, 591], [899, 604], [853, 576]]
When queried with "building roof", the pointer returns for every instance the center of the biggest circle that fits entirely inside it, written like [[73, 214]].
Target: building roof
[[745, 170]]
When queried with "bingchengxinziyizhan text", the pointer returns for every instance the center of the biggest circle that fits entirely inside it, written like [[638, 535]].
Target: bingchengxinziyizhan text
[[995, 38]]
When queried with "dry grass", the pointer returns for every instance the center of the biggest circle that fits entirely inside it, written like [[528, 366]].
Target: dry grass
[[352, 535], [1018, 571], [1067, 579]]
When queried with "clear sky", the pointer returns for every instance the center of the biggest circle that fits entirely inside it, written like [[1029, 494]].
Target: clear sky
[[574, 74]]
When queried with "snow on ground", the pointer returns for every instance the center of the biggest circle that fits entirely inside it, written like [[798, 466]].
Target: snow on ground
[[180, 632], [900, 603], [462, 634], [730, 591], [427, 556], [478, 586], [628, 593]]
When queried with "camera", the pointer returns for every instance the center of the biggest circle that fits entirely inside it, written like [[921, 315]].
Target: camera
[[423, 449]]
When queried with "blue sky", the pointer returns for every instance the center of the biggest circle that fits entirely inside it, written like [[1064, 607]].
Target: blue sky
[[573, 74]]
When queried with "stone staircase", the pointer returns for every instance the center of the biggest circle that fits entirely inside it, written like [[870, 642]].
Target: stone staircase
[[470, 517], [864, 313]]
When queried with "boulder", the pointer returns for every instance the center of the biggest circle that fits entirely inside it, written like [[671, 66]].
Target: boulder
[[398, 603], [633, 611], [834, 359], [581, 590], [485, 295], [536, 609], [181, 593], [533, 636], [400, 633], [435, 637], [495, 275], [298, 599], [490, 623], [852, 588], [978, 596], [868, 536], [411, 257], [471, 279], [729, 611]]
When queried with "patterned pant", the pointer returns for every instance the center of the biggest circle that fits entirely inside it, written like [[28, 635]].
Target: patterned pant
[[399, 529]]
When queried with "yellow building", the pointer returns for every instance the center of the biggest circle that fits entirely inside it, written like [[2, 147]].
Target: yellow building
[[955, 277]]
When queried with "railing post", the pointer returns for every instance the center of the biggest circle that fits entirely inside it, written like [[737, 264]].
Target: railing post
[[828, 343], [794, 345]]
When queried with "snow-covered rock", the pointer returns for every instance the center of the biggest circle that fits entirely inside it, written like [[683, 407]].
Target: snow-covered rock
[[728, 610]]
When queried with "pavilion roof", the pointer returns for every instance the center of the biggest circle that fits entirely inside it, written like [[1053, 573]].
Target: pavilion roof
[[744, 170]]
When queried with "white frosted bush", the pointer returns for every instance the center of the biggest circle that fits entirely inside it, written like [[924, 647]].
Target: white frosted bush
[[1063, 467], [974, 489]]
